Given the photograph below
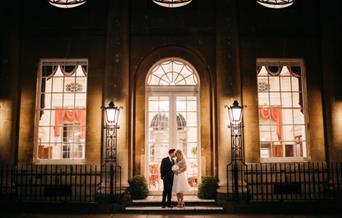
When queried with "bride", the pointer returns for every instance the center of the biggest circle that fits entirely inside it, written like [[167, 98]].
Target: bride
[[180, 179]]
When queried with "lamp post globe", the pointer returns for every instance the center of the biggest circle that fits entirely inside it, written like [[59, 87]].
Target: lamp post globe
[[235, 113], [112, 113]]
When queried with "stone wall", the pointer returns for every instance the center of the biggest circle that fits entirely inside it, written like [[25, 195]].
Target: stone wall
[[122, 39]]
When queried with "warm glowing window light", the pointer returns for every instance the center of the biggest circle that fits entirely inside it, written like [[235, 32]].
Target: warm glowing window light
[[172, 72], [172, 117], [282, 111], [61, 110]]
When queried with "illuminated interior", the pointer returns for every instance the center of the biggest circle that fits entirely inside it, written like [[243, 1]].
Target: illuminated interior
[[172, 118], [62, 111], [281, 111]]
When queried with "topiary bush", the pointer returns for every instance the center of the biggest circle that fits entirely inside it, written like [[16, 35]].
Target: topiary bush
[[138, 187], [208, 188]]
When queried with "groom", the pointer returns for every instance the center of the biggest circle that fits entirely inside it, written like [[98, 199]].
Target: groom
[[167, 177]]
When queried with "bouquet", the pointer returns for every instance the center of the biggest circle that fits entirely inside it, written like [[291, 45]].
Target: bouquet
[[175, 167]]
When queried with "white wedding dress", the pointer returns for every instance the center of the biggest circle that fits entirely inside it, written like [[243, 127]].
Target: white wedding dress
[[180, 181]]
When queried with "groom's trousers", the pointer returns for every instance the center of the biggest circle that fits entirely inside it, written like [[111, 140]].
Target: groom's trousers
[[167, 192]]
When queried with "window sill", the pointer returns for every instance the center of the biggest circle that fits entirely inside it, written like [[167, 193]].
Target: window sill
[[59, 162], [283, 159]]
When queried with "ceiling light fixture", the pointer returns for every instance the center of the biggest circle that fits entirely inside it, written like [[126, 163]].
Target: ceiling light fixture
[[276, 4], [67, 3], [172, 3]]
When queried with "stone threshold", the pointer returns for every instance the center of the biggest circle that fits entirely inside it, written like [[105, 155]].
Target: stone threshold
[[186, 208], [192, 200]]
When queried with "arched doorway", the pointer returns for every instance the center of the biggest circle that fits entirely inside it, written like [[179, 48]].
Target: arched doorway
[[172, 117]]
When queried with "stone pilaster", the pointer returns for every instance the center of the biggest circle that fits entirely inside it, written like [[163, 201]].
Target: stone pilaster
[[228, 84]]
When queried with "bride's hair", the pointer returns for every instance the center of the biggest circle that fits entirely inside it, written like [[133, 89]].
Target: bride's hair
[[179, 155]]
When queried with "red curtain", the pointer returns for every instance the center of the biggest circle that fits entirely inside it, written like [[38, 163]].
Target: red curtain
[[275, 114], [70, 116]]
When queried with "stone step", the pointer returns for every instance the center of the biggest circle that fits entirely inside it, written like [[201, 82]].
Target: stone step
[[185, 199], [184, 209], [189, 202]]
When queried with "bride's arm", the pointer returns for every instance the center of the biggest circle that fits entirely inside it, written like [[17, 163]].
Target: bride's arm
[[182, 169]]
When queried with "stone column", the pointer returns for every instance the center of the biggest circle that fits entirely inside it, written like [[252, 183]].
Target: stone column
[[9, 81], [116, 79], [331, 54], [228, 83]]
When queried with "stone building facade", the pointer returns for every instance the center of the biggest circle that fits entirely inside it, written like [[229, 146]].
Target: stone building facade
[[225, 41]]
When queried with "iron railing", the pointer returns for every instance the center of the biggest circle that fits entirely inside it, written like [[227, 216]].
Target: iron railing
[[60, 183], [252, 182], [284, 181]]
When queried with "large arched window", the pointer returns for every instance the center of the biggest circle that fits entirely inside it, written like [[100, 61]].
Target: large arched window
[[172, 119], [172, 72]]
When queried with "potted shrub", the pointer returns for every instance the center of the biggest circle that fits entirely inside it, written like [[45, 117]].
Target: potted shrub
[[208, 188], [138, 188]]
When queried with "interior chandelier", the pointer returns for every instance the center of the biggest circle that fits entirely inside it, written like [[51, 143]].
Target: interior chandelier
[[276, 4], [66, 3], [172, 3]]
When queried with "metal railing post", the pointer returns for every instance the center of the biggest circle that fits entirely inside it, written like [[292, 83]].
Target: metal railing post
[[111, 183]]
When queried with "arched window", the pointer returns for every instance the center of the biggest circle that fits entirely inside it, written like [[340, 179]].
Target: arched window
[[172, 72], [172, 119]]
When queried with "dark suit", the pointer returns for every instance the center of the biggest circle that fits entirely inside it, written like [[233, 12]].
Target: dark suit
[[167, 177]]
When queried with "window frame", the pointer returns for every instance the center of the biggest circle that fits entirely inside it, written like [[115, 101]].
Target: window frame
[[56, 61], [287, 62], [172, 91]]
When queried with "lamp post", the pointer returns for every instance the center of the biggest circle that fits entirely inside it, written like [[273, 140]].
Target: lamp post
[[112, 113], [235, 118], [109, 171], [237, 150]]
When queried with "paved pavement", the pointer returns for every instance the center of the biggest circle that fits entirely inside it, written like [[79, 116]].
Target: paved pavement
[[165, 216]]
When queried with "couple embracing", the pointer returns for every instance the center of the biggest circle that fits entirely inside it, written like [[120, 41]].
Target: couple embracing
[[173, 173]]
